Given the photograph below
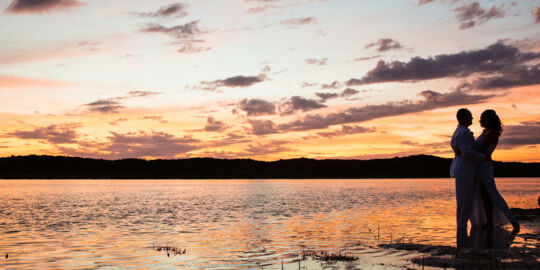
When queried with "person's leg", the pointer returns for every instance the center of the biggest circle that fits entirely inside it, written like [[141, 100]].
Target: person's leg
[[464, 193], [488, 206]]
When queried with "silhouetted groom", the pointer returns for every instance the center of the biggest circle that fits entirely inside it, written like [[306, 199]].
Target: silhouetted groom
[[464, 166]]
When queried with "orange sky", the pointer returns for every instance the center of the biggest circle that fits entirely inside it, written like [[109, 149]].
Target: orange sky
[[253, 79]]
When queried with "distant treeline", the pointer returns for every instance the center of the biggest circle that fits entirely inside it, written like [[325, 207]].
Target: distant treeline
[[421, 166]]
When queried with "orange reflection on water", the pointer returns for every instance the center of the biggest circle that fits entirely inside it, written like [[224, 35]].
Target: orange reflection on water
[[222, 223]]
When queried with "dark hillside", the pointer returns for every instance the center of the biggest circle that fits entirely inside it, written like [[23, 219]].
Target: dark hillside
[[421, 166]]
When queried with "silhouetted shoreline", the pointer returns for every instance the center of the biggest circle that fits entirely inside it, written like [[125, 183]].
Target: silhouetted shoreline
[[419, 166]]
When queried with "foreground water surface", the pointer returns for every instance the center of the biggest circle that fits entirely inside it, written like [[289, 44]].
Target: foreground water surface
[[223, 223]]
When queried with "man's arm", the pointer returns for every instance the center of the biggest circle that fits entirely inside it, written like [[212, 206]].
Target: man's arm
[[466, 144]]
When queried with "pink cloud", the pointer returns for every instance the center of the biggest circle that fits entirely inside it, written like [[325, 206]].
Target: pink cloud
[[14, 81]]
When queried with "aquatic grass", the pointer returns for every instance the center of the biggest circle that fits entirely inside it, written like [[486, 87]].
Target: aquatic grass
[[169, 249], [327, 256]]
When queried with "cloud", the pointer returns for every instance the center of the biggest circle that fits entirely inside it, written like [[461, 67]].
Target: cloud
[[349, 92], [64, 50], [520, 135], [235, 81], [182, 31], [495, 58], [473, 14], [262, 127], [55, 134], [255, 107], [230, 138], [299, 21], [139, 93], [177, 10], [261, 9], [297, 103], [260, 149], [113, 105], [366, 58], [214, 125], [384, 44], [186, 35], [346, 130], [422, 2], [432, 100], [116, 121], [323, 97], [40, 6], [519, 76], [104, 106], [307, 84], [314, 61], [15, 81], [333, 85], [156, 118], [536, 14], [142, 144]]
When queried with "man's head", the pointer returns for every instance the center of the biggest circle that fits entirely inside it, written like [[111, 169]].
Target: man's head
[[464, 117]]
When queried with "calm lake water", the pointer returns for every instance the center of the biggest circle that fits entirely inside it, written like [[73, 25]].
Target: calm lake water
[[222, 223]]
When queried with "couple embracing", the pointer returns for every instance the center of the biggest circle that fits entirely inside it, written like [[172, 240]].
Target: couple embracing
[[477, 196]]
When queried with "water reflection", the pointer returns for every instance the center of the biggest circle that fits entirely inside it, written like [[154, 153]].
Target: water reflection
[[222, 223]]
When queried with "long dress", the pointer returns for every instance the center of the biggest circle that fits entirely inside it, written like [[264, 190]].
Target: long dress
[[485, 177]]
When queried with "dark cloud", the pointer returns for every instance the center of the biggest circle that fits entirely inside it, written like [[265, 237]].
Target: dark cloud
[[173, 10], [236, 81], [104, 106], [183, 31], [333, 85], [297, 103], [299, 21], [55, 134], [242, 81], [473, 14], [349, 92], [346, 130], [323, 97], [254, 107], [262, 127], [367, 58], [536, 14], [432, 100], [40, 6], [520, 135], [314, 61], [186, 35], [214, 125], [384, 44], [520, 76], [113, 105], [497, 57]]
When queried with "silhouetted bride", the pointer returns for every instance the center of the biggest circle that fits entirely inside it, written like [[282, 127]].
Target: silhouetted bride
[[489, 207]]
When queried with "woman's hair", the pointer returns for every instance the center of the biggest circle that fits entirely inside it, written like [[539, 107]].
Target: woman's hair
[[492, 121]]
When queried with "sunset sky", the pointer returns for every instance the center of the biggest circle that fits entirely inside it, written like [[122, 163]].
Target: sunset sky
[[265, 79]]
